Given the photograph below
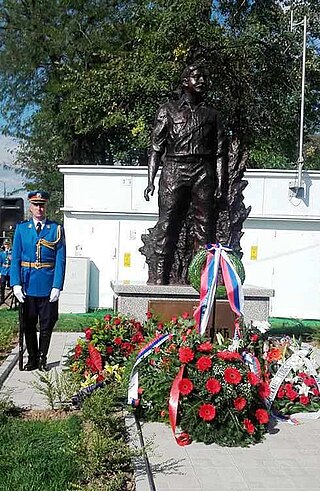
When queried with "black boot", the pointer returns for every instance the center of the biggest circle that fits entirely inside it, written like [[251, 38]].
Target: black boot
[[32, 364], [42, 364]]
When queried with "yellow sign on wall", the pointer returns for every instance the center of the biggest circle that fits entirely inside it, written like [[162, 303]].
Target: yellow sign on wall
[[127, 259], [254, 253]]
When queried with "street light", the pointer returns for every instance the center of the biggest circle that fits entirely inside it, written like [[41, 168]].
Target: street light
[[296, 187]]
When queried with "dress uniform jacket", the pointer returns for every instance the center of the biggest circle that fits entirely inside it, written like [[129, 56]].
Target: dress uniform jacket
[[38, 261], [5, 260]]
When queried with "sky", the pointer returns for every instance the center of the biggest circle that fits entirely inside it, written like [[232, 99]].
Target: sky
[[9, 180]]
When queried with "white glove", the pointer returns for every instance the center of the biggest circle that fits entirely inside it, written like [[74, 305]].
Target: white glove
[[54, 295], [18, 293]]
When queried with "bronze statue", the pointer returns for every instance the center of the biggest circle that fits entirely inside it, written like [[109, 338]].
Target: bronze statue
[[188, 138]]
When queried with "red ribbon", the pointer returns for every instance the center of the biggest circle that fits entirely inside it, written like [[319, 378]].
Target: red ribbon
[[184, 438]]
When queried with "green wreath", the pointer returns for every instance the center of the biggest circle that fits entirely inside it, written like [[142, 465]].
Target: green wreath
[[196, 265]]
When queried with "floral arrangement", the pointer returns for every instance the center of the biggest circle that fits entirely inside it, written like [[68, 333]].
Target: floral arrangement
[[107, 343], [294, 389], [297, 390], [220, 399]]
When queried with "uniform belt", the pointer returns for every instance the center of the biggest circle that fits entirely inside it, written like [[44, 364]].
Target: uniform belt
[[37, 265]]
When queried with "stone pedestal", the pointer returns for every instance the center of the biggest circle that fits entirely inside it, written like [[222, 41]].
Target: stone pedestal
[[172, 300]]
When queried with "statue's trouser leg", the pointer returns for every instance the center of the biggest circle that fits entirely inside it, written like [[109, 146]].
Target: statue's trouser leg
[[204, 208], [172, 209]]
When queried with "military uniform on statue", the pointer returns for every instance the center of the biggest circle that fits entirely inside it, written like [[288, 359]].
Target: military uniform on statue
[[37, 276], [5, 261]]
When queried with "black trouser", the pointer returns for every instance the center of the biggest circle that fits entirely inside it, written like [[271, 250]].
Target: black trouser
[[38, 309], [4, 281]]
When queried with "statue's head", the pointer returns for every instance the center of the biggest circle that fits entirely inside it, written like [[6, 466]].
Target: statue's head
[[194, 79]]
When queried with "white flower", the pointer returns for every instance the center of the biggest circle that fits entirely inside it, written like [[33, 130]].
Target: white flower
[[304, 389], [262, 326]]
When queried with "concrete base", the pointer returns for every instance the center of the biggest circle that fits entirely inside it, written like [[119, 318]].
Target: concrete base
[[133, 299]]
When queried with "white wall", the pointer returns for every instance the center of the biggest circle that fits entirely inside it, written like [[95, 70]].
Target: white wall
[[105, 214]]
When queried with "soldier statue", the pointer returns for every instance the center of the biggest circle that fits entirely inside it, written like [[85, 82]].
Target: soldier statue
[[189, 140]]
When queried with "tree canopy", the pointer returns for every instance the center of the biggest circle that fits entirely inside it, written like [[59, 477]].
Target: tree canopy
[[94, 72]]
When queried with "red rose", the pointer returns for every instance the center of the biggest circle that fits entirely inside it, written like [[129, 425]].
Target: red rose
[[160, 326], [232, 376], [248, 426], [204, 363], [304, 400], [264, 390], [137, 338], [117, 341], [254, 338], [207, 412], [185, 386], [213, 385], [109, 350], [107, 317], [262, 416], [88, 333], [281, 393], [127, 347], [138, 326], [77, 351], [253, 379], [205, 347], [309, 381], [140, 390], [185, 355], [240, 403], [149, 315], [185, 315], [315, 391], [157, 349], [117, 321], [292, 394], [100, 378], [174, 320]]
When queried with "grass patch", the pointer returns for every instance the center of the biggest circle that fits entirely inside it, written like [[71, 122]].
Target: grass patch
[[8, 330], [77, 322], [39, 455]]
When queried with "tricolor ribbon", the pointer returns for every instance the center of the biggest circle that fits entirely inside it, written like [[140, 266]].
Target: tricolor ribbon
[[143, 353], [217, 257]]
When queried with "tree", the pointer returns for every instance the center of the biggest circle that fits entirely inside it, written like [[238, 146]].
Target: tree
[[96, 71]]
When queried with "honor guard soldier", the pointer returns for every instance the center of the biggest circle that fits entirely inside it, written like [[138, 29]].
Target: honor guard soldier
[[37, 276], [5, 261]]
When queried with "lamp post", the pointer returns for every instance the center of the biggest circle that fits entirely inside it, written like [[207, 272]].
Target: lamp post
[[303, 78], [296, 186]]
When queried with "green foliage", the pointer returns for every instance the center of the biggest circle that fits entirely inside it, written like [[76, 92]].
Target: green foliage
[[96, 71], [105, 456]]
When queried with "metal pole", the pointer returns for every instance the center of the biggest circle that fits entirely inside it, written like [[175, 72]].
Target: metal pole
[[301, 159]]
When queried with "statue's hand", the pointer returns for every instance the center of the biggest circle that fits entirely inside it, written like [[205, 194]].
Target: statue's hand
[[149, 190]]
